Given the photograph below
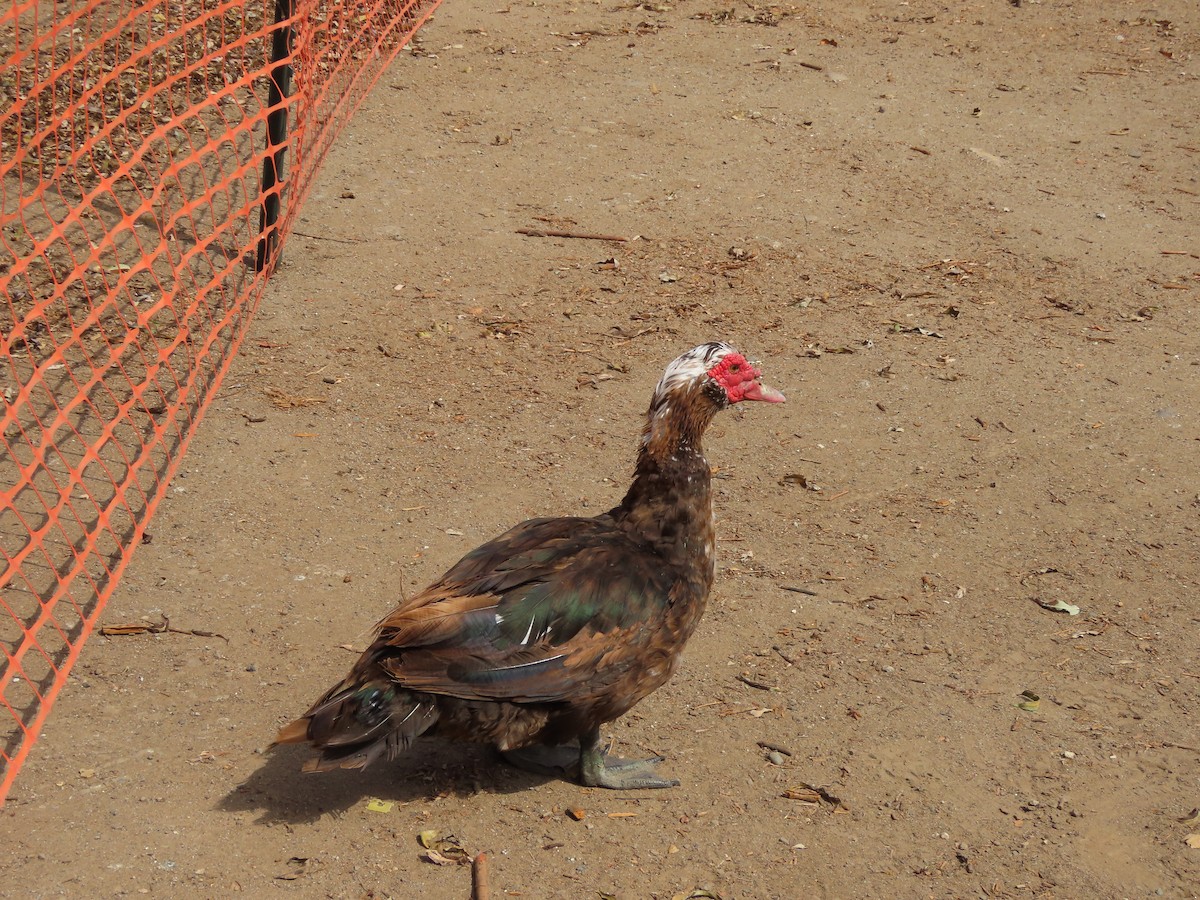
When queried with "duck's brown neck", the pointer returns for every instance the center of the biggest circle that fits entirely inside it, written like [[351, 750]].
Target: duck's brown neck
[[669, 504]]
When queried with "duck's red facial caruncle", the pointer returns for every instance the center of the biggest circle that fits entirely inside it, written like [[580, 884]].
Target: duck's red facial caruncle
[[741, 381]]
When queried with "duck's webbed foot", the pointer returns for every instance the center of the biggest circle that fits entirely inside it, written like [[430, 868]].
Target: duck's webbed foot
[[623, 774], [590, 765]]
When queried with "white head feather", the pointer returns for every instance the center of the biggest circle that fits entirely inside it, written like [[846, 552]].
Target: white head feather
[[684, 370], [690, 367]]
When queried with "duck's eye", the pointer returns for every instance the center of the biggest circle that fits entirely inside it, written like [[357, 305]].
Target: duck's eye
[[736, 367]]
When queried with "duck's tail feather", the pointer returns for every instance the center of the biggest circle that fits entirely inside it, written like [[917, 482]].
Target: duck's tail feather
[[358, 722]]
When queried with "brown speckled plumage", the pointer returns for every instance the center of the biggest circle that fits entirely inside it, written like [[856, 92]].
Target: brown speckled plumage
[[559, 625]]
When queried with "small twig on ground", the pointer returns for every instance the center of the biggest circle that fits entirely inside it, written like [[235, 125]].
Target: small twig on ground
[[755, 684], [479, 877], [798, 590], [162, 627], [583, 236], [326, 237]]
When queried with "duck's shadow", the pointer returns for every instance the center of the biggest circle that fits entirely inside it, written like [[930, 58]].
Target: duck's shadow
[[278, 792]]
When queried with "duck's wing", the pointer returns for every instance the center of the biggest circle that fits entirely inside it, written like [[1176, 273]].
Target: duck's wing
[[546, 612]]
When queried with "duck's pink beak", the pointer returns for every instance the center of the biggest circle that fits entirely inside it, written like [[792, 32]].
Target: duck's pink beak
[[756, 390]]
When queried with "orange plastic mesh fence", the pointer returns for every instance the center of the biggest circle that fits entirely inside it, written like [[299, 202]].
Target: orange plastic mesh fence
[[146, 184]]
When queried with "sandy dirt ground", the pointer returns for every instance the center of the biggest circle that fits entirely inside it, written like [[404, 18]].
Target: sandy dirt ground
[[962, 238]]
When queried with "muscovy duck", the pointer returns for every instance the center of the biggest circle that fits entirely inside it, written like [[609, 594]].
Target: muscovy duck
[[540, 636]]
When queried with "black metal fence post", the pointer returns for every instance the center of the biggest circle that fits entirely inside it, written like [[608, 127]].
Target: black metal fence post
[[277, 124]]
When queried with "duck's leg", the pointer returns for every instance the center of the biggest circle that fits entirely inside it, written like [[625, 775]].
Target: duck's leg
[[591, 765]]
